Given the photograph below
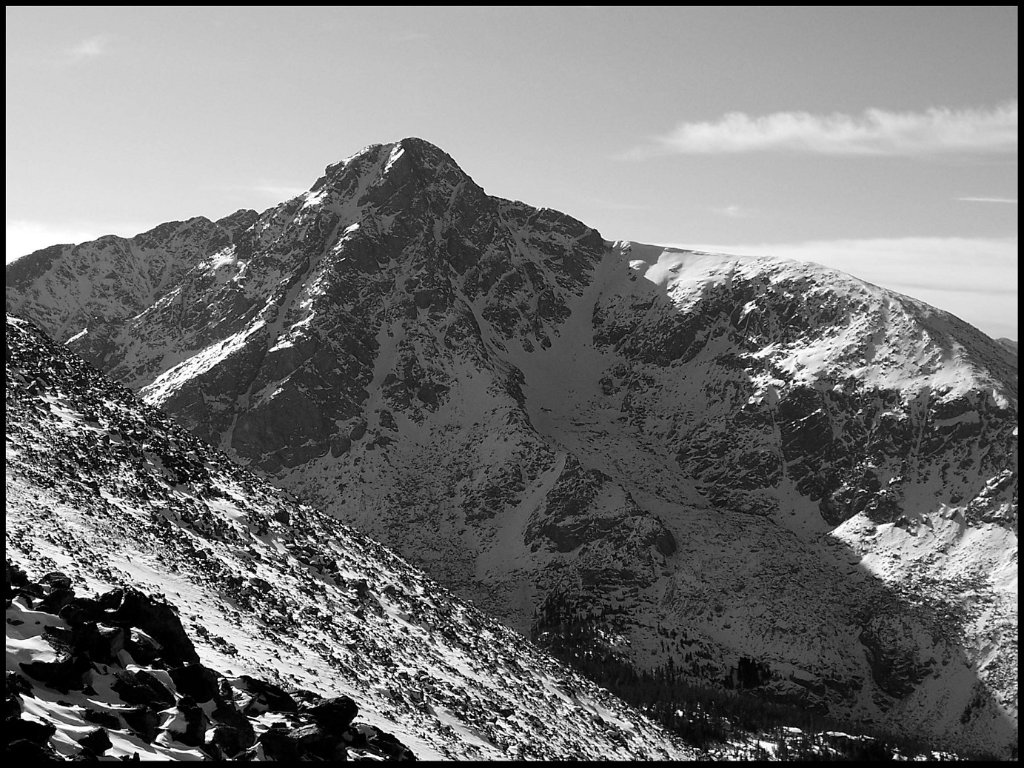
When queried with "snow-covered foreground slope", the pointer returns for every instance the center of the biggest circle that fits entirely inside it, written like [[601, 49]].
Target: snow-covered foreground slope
[[712, 460], [110, 492]]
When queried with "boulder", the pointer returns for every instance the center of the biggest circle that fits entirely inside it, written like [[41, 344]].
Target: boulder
[[231, 740], [143, 648], [264, 697], [56, 580], [196, 722], [143, 721], [97, 742], [317, 741], [156, 618], [142, 688], [56, 600], [334, 714], [108, 643], [228, 714], [307, 742], [79, 610], [28, 730], [70, 672], [277, 744], [197, 681]]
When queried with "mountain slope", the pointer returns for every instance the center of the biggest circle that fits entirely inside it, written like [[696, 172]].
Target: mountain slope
[[114, 278], [659, 440], [111, 492], [1010, 344]]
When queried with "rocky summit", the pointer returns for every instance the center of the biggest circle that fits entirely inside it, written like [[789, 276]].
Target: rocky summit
[[711, 462]]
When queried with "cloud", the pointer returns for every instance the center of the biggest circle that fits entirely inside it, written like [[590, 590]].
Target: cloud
[[1006, 200], [277, 191], [974, 278], [90, 48], [876, 132], [273, 191], [733, 212], [24, 237]]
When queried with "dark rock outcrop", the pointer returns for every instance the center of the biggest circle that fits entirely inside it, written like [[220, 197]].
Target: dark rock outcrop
[[195, 701], [128, 606]]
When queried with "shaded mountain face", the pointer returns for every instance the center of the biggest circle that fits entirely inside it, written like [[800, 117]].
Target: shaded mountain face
[[710, 458], [182, 606]]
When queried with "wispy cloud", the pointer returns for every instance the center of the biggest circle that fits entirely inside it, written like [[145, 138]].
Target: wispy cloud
[[1005, 200], [271, 190], [875, 132], [974, 278], [277, 191], [90, 48], [733, 212]]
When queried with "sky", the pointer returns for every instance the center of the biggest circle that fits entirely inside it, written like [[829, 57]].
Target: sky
[[880, 141]]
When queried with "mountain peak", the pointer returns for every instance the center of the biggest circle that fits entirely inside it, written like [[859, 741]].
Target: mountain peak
[[397, 160], [560, 427], [424, 151]]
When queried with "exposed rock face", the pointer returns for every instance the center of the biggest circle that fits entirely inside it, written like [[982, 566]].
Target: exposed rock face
[[221, 610], [528, 410], [166, 718]]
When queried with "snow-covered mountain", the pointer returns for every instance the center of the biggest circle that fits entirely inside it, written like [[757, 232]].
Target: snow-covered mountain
[[106, 495], [714, 460]]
